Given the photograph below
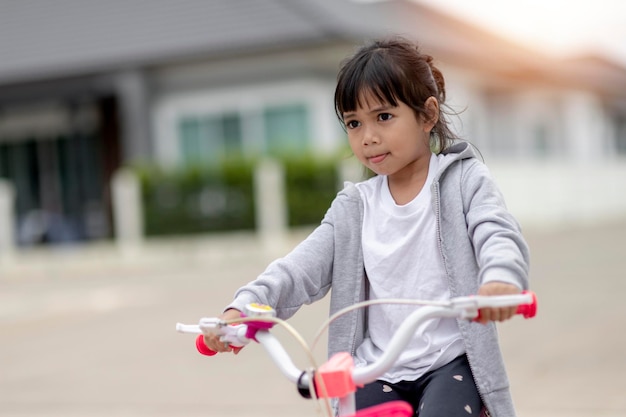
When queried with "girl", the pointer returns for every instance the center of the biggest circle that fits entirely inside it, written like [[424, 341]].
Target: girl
[[430, 225]]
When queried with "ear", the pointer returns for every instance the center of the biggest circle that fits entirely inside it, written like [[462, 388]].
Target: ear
[[431, 108]]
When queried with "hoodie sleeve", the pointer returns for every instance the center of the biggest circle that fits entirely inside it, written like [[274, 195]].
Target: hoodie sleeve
[[301, 277], [500, 249]]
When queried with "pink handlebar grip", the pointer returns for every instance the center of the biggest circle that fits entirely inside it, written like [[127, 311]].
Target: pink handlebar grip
[[528, 310], [204, 349]]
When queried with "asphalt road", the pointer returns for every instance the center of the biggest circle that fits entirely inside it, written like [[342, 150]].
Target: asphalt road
[[90, 332]]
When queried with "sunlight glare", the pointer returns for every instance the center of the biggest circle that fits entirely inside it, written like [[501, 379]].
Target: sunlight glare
[[555, 26]]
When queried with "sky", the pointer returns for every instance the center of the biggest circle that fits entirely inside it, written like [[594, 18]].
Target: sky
[[559, 27]]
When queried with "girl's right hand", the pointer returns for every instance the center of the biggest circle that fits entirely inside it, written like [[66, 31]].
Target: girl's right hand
[[214, 343]]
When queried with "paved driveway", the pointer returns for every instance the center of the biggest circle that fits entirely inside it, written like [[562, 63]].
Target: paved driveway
[[88, 332]]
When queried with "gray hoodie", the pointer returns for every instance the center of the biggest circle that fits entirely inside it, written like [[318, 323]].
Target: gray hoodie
[[479, 239]]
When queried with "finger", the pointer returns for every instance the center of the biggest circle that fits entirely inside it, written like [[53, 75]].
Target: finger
[[495, 314], [485, 316], [223, 347], [510, 312], [505, 313], [489, 314], [214, 344]]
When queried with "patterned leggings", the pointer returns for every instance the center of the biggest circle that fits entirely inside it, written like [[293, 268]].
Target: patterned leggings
[[445, 392]]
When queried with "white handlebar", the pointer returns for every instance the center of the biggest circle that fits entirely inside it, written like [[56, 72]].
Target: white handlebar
[[460, 307], [399, 341]]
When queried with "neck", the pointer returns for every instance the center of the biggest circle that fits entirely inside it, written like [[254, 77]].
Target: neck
[[405, 186]]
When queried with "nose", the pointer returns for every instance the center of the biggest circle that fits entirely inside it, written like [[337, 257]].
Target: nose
[[370, 136]]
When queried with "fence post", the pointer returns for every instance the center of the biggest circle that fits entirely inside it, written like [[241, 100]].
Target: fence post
[[127, 211], [270, 202], [7, 218]]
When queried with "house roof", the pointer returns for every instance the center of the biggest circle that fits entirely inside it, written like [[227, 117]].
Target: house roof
[[71, 38]]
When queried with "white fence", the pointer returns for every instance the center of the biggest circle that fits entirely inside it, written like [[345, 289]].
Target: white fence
[[7, 240], [538, 194]]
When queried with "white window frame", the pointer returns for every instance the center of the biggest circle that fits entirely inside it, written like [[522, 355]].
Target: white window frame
[[248, 101]]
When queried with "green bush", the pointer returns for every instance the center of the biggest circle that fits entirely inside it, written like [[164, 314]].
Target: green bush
[[197, 199], [311, 185]]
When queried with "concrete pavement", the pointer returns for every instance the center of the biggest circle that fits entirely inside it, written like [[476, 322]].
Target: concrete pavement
[[90, 331]]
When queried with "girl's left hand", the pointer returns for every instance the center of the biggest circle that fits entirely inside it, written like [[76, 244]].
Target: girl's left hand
[[501, 313]]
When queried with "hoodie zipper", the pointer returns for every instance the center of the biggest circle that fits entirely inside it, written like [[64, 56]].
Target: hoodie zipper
[[485, 411]]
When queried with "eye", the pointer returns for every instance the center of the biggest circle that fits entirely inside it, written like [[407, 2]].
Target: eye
[[383, 117], [351, 124]]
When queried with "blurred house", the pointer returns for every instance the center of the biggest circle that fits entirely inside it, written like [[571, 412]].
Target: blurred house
[[87, 87]]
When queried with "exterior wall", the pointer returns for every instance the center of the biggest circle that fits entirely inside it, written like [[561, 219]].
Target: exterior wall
[[586, 126], [132, 91], [559, 194], [553, 152], [466, 101], [545, 142], [546, 146], [248, 101]]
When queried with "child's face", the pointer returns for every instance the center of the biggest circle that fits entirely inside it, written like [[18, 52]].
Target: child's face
[[388, 140]]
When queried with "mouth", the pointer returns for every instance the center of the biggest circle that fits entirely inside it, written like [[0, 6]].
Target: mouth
[[376, 159]]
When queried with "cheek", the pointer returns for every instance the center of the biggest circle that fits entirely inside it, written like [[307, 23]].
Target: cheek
[[423, 137], [357, 150], [354, 142]]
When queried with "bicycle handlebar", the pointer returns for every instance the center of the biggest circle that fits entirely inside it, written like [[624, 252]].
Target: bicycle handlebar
[[338, 378], [257, 320]]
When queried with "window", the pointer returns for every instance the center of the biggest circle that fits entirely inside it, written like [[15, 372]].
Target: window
[[208, 138], [541, 143], [205, 139], [231, 133], [286, 129]]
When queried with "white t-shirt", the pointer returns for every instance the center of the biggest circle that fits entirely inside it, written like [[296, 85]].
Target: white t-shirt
[[402, 260]]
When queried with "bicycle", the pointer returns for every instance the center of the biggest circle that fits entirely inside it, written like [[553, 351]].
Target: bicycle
[[337, 378]]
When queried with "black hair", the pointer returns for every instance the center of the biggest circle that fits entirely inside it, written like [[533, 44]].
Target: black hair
[[394, 69]]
